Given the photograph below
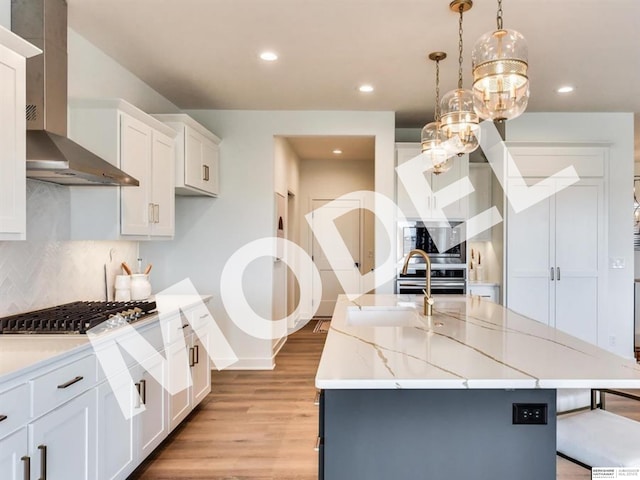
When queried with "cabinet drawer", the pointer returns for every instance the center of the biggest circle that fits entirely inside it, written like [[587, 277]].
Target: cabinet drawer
[[14, 409], [62, 384]]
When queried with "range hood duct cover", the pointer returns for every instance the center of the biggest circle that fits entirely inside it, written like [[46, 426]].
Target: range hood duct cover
[[51, 156]]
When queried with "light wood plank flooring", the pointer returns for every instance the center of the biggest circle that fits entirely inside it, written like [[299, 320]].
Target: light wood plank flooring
[[262, 425]]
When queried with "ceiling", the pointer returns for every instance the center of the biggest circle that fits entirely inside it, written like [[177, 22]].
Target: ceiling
[[358, 148], [204, 53]]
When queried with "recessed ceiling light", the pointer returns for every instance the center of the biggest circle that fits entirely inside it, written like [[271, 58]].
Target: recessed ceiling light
[[269, 56], [366, 88], [565, 89], [337, 151]]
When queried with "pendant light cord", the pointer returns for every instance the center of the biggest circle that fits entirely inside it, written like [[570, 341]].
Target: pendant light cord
[[461, 10], [499, 18], [437, 110]]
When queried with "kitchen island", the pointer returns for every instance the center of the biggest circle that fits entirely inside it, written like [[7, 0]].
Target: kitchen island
[[467, 393]]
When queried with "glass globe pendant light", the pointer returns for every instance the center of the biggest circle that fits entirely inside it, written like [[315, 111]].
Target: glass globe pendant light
[[500, 81], [460, 123], [435, 145]]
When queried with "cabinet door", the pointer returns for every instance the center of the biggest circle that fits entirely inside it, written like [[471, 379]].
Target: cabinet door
[[193, 158], [116, 434], [578, 223], [480, 200], [457, 208], [210, 167], [66, 440], [179, 383], [163, 185], [153, 420], [201, 370], [135, 159], [12, 146], [404, 153], [13, 455], [529, 259]]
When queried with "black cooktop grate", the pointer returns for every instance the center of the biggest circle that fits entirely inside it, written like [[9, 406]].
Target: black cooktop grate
[[75, 317]]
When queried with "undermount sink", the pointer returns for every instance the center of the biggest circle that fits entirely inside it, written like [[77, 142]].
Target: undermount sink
[[383, 316]]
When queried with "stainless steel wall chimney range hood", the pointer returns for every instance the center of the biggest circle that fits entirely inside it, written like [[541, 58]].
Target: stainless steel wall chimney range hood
[[51, 156]]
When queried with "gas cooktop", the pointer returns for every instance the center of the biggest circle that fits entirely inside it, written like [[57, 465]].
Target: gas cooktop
[[75, 317]]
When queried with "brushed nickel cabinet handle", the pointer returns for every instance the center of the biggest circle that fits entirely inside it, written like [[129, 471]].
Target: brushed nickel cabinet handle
[[197, 349], [3, 418], [205, 173], [27, 467], [552, 274], [70, 382], [138, 389], [192, 360], [143, 387], [558, 273], [156, 213], [316, 400], [43, 462], [317, 447]]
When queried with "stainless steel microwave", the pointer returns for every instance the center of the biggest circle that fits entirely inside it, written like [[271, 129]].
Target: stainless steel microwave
[[431, 237]]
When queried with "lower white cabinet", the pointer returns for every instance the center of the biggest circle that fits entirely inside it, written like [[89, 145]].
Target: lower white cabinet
[[152, 420], [14, 461], [62, 442], [191, 380]]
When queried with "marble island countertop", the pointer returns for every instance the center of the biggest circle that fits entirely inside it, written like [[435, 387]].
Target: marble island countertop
[[384, 342]]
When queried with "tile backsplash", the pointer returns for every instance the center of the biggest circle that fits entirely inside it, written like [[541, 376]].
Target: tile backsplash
[[46, 269]]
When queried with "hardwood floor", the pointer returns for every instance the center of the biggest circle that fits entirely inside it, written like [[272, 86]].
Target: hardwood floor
[[262, 425]]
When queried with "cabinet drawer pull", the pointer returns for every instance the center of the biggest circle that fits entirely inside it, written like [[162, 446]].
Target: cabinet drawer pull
[[27, 467], [184, 326], [197, 349], [317, 447], [3, 418], [71, 382], [43, 462], [143, 387], [205, 173], [192, 359]]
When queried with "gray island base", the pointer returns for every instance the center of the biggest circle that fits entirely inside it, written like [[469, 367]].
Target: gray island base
[[435, 435], [466, 394]]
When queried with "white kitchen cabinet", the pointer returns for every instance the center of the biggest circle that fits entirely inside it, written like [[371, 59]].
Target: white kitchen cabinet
[[189, 363], [13, 200], [481, 177], [141, 146], [556, 250], [153, 426], [14, 459], [197, 156], [62, 442], [456, 210]]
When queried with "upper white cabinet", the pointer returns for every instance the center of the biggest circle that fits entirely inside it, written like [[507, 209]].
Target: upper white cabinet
[[457, 209], [141, 146], [481, 177], [197, 156], [13, 202]]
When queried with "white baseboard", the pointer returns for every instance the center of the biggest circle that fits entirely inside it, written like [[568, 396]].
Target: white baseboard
[[278, 346]]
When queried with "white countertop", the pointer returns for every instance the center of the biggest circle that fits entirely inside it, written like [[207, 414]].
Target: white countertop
[[22, 353], [468, 343]]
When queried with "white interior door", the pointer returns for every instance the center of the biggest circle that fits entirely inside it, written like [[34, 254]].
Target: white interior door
[[348, 222], [578, 218]]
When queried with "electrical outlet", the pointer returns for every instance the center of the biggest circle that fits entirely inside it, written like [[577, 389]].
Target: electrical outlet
[[529, 414]]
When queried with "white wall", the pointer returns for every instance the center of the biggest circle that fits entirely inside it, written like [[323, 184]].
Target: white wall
[[209, 231], [5, 13], [94, 74], [617, 129]]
